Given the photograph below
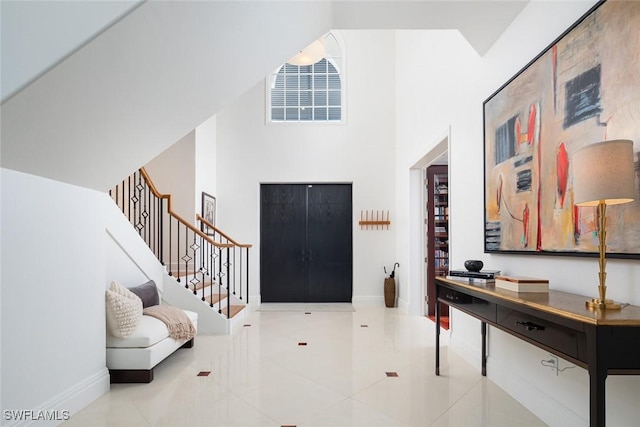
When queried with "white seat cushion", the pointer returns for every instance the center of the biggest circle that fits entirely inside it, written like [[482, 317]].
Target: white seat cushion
[[149, 331]]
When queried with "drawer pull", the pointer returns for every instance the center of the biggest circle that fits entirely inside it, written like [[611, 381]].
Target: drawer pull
[[530, 326], [450, 297]]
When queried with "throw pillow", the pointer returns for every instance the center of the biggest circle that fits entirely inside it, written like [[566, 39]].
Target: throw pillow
[[124, 310], [148, 293]]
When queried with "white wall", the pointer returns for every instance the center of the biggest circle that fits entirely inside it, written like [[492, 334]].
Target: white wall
[[129, 261], [453, 82], [53, 273], [173, 172], [205, 179], [433, 91], [359, 152]]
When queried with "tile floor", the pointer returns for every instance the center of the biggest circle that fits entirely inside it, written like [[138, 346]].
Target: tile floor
[[261, 376]]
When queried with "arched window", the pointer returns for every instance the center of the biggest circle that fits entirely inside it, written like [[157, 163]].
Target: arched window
[[309, 93]]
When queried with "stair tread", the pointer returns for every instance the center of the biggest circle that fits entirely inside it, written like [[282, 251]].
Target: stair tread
[[213, 299], [234, 309], [202, 284], [183, 273]]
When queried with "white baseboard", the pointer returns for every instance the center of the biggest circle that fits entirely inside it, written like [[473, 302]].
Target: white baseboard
[[368, 300], [403, 305], [69, 402], [361, 300], [545, 407], [255, 301]]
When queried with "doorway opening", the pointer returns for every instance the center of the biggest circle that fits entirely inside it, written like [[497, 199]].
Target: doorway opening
[[436, 236], [430, 246]]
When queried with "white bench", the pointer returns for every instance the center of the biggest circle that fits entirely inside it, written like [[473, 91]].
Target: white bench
[[136, 343], [132, 359]]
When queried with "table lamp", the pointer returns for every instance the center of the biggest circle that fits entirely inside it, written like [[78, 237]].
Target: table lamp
[[603, 174]]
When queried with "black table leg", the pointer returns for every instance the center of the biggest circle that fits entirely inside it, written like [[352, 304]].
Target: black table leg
[[597, 382], [483, 329], [597, 354], [437, 337]]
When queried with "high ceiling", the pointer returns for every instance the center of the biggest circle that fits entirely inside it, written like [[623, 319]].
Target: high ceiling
[[91, 92]]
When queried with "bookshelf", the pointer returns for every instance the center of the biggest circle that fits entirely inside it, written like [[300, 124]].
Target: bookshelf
[[437, 232]]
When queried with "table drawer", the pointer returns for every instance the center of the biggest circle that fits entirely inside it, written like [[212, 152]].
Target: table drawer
[[541, 331], [476, 306]]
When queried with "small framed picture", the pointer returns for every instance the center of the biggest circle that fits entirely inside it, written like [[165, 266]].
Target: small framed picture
[[208, 213]]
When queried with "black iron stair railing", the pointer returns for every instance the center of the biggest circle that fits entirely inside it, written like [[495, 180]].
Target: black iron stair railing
[[239, 270], [188, 253]]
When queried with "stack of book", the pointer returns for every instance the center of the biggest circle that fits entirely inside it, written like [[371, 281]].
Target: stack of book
[[522, 284], [481, 277]]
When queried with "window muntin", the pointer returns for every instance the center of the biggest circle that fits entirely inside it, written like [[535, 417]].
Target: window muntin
[[309, 93]]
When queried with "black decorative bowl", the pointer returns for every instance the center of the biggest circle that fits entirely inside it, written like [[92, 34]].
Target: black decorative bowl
[[473, 265]]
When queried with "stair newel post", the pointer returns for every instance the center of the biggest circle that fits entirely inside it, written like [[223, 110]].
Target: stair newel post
[[148, 220], [211, 272], [129, 199], [119, 191], [122, 196], [220, 280], [247, 276], [228, 284], [239, 249], [151, 223], [132, 195], [160, 215], [170, 246], [147, 217], [234, 270], [203, 259], [194, 249], [185, 257], [143, 207], [206, 248], [138, 205], [177, 249], [155, 225]]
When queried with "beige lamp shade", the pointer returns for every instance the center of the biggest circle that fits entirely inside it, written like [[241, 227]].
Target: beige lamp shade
[[604, 171], [310, 54]]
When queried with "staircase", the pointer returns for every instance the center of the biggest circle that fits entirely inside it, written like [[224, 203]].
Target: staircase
[[206, 270]]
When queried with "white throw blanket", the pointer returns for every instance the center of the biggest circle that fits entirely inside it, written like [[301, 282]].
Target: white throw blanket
[[178, 323]]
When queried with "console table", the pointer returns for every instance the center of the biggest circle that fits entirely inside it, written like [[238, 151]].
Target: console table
[[603, 342]]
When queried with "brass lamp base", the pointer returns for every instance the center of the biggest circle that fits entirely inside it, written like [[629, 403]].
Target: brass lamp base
[[598, 304]]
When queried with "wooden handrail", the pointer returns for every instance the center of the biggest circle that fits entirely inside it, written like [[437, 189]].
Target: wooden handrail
[[156, 193], [217, 230]]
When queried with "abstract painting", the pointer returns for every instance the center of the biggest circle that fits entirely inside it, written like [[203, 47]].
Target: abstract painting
[[582, 89]]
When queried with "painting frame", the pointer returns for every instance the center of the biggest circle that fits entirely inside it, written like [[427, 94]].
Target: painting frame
[[208, 212], [568, 96]]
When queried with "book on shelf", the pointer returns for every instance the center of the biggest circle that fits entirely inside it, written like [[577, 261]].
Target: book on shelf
[[482, 274], [522, 284], [472, 280]]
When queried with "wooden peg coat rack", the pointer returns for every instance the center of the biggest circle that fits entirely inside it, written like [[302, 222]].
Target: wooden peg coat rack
[[377, 219]]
